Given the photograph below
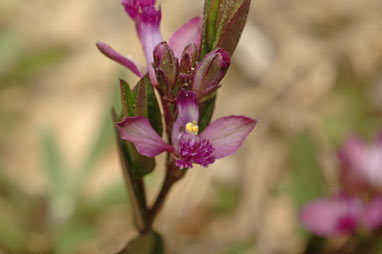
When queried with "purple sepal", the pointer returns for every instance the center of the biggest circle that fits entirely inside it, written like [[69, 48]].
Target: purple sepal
[[227, 134], [330, 217], [113, 55], [137, 130], [209, 72], [166, 67], [188, 111], [189, 33]]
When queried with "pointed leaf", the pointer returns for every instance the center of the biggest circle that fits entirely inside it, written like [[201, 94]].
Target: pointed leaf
[[127, 98], [150, 105], [230, 35], [224, 21], [141, 99], [154, 114], [138, 102], [133, 182]]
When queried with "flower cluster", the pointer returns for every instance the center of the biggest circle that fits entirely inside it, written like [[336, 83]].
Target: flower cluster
[[184, 82], [359, 203]]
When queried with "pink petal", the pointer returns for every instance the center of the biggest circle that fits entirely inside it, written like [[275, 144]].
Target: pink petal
[[188, 111], [328, 217], [190, 32], [149, 36], [137, 130], [113, 55], [147, 22], [228, 133], [372, 216]]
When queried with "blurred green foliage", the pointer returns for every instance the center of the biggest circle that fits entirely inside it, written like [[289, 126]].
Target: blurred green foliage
[[19, 64], [64, 219], [355, 113], [226, 200], [242, 247], [306, 180]]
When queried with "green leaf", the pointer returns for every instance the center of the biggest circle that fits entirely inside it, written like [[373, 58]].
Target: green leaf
[[150, 243], [141, 99], [229, 35], [223, 24], [307, 179], [133, 180], [154, 114], [206, 111], [140, 165], [127, 98], [147, 104]]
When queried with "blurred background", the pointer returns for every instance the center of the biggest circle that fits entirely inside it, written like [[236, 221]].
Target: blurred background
[[309, 71]]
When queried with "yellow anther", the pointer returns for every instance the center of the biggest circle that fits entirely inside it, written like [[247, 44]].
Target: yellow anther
[[192, 128]]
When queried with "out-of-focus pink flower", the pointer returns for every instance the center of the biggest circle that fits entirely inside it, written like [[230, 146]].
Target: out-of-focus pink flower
[[328, 217], [361, 164], [361, 173], [147, 22], [341, 215]]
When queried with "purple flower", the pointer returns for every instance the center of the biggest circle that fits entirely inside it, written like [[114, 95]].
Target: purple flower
[[220, 139], [147, 21], [362, 164]]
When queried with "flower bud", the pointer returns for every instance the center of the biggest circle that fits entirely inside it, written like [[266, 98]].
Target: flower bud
[[188, 62], [165, 66], [209, 72]]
